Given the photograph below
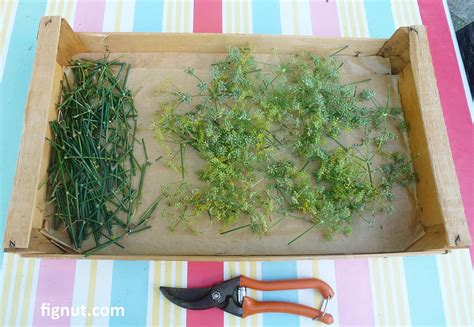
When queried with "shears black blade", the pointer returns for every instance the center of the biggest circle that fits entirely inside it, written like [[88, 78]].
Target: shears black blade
[[190, 298]]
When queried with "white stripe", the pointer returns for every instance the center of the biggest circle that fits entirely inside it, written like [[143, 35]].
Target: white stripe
[[467, 90], [10, 291], [103, 290], [304, 18], [151, 292], [184, 284], [49, 7], [233, 15], [465, 287], [306, 296], [250, 14], [109, 16], [72, 17], [286, 17], [128, 16], [81, 289], [327, 272], [377, 307], [34, 287], [3, 54]]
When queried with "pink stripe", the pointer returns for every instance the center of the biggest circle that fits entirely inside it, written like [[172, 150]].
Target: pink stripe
[[89, 16], [205, 274], [55, 289], [324, 18], [207, 16], [453, 100], [354, 295]]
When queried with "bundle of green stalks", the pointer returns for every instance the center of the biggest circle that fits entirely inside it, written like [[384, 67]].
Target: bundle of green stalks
[[92, 164]]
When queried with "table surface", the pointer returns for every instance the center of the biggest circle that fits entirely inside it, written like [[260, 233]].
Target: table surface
[[422, 290]]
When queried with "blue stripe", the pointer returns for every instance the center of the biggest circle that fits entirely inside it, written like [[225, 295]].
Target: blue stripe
[[424, 292], [13, 95], [273, 270], [379, 18], [266, 17], [148, 16], [129, 290]]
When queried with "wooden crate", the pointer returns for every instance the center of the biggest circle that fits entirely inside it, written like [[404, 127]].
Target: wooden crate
[[438, 195]]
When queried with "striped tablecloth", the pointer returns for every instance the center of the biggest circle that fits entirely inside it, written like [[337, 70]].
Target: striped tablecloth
[[423, 290]]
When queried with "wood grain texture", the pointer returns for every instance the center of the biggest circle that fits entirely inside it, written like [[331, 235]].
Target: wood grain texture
[[438, 191], [40, 99], [215, 43], [397, 49]]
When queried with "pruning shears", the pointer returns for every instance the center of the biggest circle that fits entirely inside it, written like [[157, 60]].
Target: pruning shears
[[231, 297]]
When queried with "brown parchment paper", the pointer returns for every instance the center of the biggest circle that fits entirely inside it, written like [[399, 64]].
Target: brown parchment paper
[[392, 233]]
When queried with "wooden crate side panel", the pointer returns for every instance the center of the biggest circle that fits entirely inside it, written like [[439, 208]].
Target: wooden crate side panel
[[28, 172], [69, 43], [44, 159], [430, 210], [397, 49], [446, 188], [218, 43], [434, 239]]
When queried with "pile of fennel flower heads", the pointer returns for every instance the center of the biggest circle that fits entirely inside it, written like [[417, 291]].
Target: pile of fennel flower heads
[[271, 138]]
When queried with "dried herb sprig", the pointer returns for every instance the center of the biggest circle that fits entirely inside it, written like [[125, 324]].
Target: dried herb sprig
[[271, 138], [92, 164]]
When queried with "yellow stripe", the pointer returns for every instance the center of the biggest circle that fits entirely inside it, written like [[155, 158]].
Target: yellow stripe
[[91, 295], [237, 15], [445, 280], [187, 14], [52, 8], [27, 291], [247, 14], [318, 298], [344, 21], [166, 304], [252, 273], [360, 18], [352, 19], [16, 290], [61, 8], [156, 294], [228, 16], [389, 289], [118, 16], [400, 294], [8, 265], [232, 320], [179, 283], [294, 12], [179, 12], [379, 296], [6, 23], [415, 14]]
